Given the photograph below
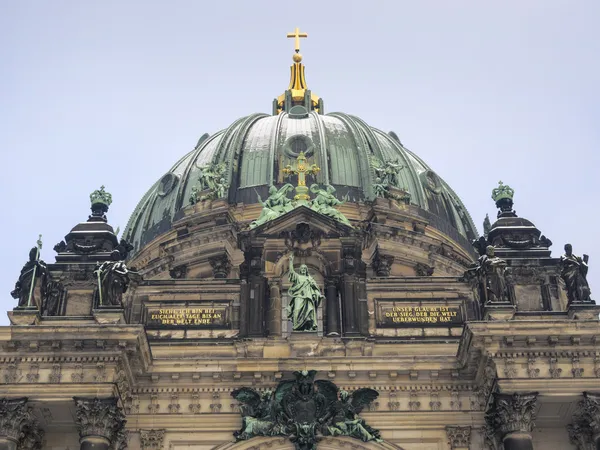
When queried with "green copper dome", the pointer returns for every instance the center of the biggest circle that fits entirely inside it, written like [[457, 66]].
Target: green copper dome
[[256, 148]]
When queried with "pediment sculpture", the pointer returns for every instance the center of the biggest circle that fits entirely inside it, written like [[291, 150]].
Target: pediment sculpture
[[305, 411]]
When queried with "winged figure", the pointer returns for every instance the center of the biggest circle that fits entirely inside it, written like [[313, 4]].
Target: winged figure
[[257, 418], [346, 421]]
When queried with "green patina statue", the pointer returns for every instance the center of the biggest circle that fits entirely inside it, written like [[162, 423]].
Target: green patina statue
[[211, 183], [305, 410], [277, 204], [387, 175], [305, 299], [325, 203]]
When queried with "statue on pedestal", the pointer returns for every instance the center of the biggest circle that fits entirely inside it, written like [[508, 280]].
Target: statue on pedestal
[[573, 270], [30, 288], [492, 275], [305, 297], [113, 281]]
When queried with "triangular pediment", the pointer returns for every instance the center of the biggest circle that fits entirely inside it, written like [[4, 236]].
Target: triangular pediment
[[302, 214]]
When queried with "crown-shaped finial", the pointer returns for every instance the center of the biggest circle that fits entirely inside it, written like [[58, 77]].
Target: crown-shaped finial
[[101, 200], [503, 191], [101, 196]]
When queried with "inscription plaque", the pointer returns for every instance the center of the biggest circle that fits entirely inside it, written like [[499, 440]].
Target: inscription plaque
[[400, 314], [188, 317]]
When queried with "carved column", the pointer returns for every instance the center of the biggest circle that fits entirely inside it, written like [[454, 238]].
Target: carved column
[[459, 438], [100, 422], [152, 439], [19, 428], [510, 420], [348, 281], [584, 432], [274, 311], [332, 310]]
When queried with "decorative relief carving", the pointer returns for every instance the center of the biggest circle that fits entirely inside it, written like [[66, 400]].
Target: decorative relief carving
[[435, 403], [586, 422], [455, 403], [532, 371], [511, 414], [174, 406], [577, 371], [18, 423], [393, 404], [555, 371], [154, 406], [152, 439], [195, 405], [414, 404], [580, 436], [510, 371], [100, 375], [55, 374], [11, 373], [216, 406], [458, 437], [77, 375], [382, 264], [132, 405], [34, 373], [423, 270], [99, 417]]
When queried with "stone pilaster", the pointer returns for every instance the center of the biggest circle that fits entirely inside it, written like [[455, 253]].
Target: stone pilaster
[[584, 432], [274, 312], [510, 420], [332, 311], [19, 429], [152, 439], [100, 423], [459, 438]]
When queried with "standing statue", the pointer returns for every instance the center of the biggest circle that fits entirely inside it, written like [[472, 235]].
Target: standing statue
[[30, 288], [492, 275], [53, 293], [113, 280], [325, 203], [305, 299], [392, 172], [277, 204], [573, 270]]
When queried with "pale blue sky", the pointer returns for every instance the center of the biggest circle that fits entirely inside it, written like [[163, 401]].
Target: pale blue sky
[[114, 91]]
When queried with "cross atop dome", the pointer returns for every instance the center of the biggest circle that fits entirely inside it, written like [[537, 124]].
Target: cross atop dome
[[297, 35], [297, 93]]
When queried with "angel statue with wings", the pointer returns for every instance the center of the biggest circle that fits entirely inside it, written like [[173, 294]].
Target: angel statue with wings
[[346, 421], [256, 414]]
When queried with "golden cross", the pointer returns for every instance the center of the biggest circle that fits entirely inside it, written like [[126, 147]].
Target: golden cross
[[297, 34], [301, 169]]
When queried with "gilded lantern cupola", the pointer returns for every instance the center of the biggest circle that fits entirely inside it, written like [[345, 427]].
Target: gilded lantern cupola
[[297, 94]]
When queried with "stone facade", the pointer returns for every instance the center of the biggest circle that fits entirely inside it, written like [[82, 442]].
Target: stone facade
[[143, 348]]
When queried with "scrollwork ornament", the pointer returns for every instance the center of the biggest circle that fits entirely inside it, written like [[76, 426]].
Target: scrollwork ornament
[[152, 439], [512, 413], [99, 417], [458, 437]]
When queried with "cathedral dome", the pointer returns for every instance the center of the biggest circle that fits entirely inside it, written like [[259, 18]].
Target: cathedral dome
[[254, 150], [241, 162]]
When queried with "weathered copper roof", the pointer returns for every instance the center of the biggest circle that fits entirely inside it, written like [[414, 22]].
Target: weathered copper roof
[[255, 149]]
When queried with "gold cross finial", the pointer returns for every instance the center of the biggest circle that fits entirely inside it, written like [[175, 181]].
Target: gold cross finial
[[297, 34]]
